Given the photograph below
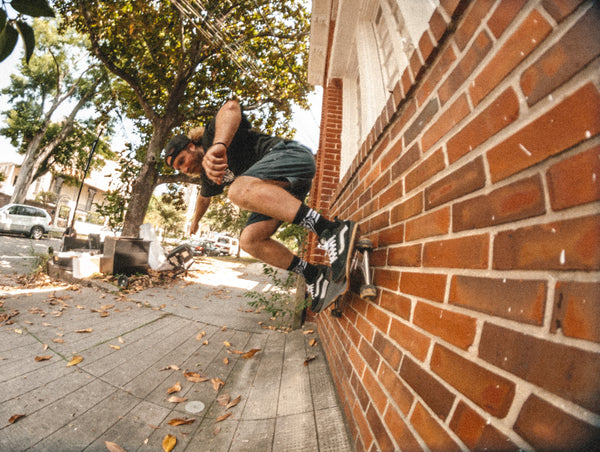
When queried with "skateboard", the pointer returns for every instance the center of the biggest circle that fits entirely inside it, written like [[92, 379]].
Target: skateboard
[[359, 261]]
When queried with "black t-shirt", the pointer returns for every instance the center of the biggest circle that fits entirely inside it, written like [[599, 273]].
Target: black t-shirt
[[247, 147]]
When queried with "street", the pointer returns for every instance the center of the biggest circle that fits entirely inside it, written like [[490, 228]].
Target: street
[[19, 254]]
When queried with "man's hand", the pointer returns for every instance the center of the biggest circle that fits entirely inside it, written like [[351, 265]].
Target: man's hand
[[215, 163]]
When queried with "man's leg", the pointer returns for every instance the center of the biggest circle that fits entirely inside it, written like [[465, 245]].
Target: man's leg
[[256, 240]]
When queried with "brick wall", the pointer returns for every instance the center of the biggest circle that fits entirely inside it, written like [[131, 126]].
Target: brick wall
[[479, 186]]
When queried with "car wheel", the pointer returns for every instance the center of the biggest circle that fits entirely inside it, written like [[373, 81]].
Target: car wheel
[[36, 232]]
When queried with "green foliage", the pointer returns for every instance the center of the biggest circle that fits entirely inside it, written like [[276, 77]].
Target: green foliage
[[279, 301], [12, 28], [166, 213], [46, 197], [224, 216]]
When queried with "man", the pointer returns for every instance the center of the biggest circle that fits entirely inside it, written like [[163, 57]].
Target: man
[[269, 176]]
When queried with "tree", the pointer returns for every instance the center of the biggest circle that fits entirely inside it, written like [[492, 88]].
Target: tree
[[10, 29], [177, 67], [51, 81], [167, 214]]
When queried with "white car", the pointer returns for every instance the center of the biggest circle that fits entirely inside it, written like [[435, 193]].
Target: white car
[[21, 219]]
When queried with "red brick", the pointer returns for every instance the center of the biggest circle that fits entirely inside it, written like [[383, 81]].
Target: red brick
[[449, 118], [504, 15], [575, 181], [425, 170], [455, 328], [431, 391], [524, 41], [366, 436], [519, 200], [369, 354], [502, 112], [490, 391], [410, 339], [386, 278], [577, 310], [378, 317], [365, 328], [396, 304], [566, 371], [408, 111], [406, 161], [454, 8], [559, 9], [398, 391], [394, 192], [562, 245], [425, 46], [426, 285], [391, 236], [476, 433], [424, 118], [461, 182], [575, 50], [377, 395], [429, 225], [437, 25], [409, 208], [381, 436], [439, 69], [472, 21], [378, 222], [431, 431], [546, 427], [465, 252], [463, 71], [415, 63], [514, 299], [387, 350], [402, 435], [405, 256], [573, 120]]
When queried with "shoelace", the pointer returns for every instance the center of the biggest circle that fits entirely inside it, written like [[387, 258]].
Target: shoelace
[[331, 249]]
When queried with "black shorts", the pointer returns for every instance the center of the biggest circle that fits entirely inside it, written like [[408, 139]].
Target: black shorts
[[288, 161]]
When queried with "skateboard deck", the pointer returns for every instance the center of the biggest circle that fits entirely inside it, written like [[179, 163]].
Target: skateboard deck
[[357, 259]]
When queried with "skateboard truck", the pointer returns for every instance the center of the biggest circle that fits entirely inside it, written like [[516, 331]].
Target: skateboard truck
[[360, 260]]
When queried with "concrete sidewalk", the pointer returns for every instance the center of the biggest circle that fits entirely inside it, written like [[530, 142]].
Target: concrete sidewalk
[[135, 350]]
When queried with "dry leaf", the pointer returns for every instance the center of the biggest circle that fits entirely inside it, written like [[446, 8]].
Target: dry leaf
[[18, 331], [169, 443], [104, 314], [224, 328], [308, 332], [116, 347], [225, 361], [309, 359], [43, 358], [201, 334], [113, 447], [194, 377], [75, 360], [175, 399], [312, 342], [175, 388], [217, 383], [121, 340], [171, 367], [15, 417], [86, 330], [225, 416], [217, 430], [178, 421], [205, 343], [223, 399], [45, 347], [234, 402], [235, 352], [107, 306], [251, 353], [227, 344], [58, 341]]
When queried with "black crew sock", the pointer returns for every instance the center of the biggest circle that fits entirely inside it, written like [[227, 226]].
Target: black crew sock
[[301, 267], [312, 220]]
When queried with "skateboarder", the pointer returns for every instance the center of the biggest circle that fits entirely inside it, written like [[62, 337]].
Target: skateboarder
[[270, 177]]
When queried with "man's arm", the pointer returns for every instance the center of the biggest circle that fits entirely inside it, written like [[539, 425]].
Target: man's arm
[[227, 122], [202, 204]]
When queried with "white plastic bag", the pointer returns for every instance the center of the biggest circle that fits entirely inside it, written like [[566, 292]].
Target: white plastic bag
[[157, 259]]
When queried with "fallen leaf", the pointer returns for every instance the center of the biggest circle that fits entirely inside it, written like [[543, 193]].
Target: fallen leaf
[[43, 358], [234, 402], [205, 343], [308, 332], [104, 314], [223, 399], [251, 353], [116, 347], [194, 377], [28, 322], [217, 383], [113, 447], [201, 334], [45, 347], [121, 340], [225, 360], [217, 430], [235, 352], [58, 341], [178, 421], [227, 344], [79, 306], [107, 306], [223, 417], [171, 367], [175, 399], [15, 417], [169, 443], [309, 359], [75, 360], [312, 342], [175, 388], [86, 330], [224, 328], [18, 331]]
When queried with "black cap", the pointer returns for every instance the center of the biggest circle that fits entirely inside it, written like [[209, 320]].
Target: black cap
[[177, 144]]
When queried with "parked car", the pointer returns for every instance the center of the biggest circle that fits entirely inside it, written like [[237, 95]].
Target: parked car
[[228, 245], [21, 219], [204, 248]]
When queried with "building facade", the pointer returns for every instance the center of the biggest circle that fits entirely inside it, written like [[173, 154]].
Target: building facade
[[464, 137]]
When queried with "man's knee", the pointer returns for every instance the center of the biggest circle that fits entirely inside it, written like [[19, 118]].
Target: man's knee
[[239, 191]]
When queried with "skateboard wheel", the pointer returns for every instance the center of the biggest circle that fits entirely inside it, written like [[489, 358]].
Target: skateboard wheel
[[336, 313], [364, 245], [368, 292], [123, 281]]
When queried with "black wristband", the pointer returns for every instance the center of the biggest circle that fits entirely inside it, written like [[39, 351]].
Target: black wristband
[[220, 142]]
